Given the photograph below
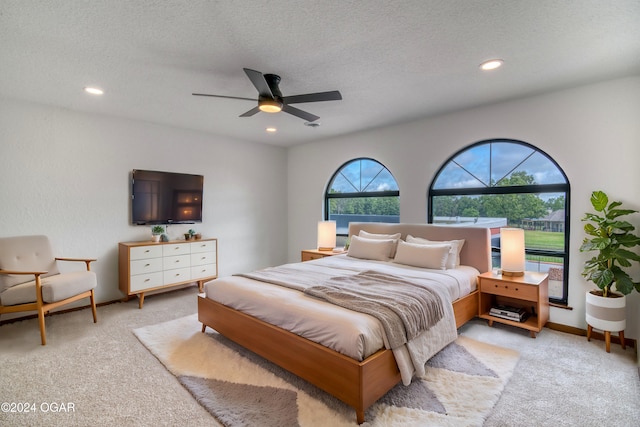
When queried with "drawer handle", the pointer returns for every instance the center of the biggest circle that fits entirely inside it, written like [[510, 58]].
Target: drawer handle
[[147, 251], [146, 280], [177, 274], [204, 257], [177, 260], [147, 265]]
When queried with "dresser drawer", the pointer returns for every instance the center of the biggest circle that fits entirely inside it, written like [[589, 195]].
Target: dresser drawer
[[177, 275], [141, 282], [509, 289], [201, 271], [203, 246], [142, 266], [144, 252], [203, 258], [179, 261], [176, 249]]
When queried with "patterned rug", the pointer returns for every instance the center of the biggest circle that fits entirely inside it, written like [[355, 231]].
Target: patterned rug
[[461, 385]]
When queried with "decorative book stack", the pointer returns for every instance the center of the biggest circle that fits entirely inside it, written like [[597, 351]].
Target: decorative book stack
[[516, 314]]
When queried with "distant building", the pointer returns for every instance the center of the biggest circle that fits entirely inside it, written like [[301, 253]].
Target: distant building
[[552, 222]]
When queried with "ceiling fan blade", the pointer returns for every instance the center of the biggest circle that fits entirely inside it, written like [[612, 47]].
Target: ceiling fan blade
[[299, 113], [333, 95], [224, 96], [251, 112], [258, 80]]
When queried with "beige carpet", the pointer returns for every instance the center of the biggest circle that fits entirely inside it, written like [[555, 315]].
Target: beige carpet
[[461, 386]]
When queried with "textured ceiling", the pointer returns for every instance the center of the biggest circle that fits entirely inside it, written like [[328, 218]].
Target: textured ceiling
[[393, 61]]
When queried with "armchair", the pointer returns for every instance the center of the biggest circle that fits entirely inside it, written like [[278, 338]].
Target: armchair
[[30, 279]]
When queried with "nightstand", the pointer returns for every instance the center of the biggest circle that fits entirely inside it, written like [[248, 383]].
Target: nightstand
[[529, 292], [309, 254]]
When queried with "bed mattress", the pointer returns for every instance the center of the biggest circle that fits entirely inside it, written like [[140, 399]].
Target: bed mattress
[[351, 333]]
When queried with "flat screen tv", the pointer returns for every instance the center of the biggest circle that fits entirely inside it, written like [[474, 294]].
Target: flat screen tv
[[165, 197]]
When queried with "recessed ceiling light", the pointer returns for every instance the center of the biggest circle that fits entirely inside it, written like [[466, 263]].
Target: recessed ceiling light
[[271, 129], [491, 64], [93, 90]]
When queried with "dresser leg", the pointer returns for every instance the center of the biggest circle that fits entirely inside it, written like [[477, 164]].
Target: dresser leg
[[141, 301]]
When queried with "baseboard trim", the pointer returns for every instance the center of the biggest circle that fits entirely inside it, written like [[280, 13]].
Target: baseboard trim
[[83, 307], [615, 339]]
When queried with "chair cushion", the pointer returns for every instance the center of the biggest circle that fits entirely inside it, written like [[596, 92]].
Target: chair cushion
[[25, 253], [54, 288]]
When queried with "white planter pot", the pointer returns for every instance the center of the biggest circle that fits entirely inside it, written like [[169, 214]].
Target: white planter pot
[[606, 314], [155, 237]]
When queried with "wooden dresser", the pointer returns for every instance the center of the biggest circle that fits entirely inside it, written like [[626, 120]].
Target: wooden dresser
[[148, 266]]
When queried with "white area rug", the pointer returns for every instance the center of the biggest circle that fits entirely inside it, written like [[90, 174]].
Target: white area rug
[[461, 385]]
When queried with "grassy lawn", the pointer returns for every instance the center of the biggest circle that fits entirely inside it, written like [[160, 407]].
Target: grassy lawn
[[544, 240]]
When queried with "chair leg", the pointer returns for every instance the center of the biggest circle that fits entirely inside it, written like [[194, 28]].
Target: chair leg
[[93, 307], [43, 337], [607, 340]]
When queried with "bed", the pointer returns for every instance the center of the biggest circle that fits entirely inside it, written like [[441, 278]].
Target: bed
[[360, 379]]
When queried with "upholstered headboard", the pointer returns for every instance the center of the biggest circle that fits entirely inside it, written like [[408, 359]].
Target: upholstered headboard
[[476, 251]]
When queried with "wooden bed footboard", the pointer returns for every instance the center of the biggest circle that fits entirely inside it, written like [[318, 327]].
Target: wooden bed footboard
[[358, 384]]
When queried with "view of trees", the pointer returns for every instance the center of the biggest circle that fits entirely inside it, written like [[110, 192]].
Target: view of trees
[[514, 207], [365, 206]]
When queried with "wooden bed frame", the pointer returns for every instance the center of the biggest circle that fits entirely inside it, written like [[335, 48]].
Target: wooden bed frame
[[358, 384]]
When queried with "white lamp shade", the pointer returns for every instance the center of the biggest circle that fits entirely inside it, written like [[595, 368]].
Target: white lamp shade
[[512, 251], [326, 235]]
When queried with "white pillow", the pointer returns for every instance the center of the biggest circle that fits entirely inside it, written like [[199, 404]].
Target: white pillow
[[395, 237], [454, 254], [371, 248], [425, 256]]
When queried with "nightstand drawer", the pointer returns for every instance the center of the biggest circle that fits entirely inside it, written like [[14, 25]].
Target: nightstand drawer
[[509, 289], [306, 256]]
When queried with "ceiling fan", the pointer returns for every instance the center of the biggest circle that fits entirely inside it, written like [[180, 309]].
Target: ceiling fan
[[270, 99]]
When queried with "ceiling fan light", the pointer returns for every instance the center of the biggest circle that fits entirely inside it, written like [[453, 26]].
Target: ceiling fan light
[[270, 106]]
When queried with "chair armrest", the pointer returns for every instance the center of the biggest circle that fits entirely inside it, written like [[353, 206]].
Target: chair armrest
[[36, 273], [85, 260]]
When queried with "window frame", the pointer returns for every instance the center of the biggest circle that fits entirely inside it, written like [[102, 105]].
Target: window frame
[[359, 194], [520, 189]]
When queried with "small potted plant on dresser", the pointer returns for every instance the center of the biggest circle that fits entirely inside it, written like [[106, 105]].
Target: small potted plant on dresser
[[156, 232], [612, 240]]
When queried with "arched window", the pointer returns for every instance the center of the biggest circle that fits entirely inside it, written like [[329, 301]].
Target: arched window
[[500, 183], [361, 190]]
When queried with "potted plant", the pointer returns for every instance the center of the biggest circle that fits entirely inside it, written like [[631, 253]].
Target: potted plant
[[156, 232], [611, 238], [190, 234]]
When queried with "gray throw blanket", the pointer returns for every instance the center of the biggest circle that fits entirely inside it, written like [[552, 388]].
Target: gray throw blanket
[[405, 309]]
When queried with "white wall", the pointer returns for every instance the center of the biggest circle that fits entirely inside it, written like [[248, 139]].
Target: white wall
[[67, 175], [593, 132]]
